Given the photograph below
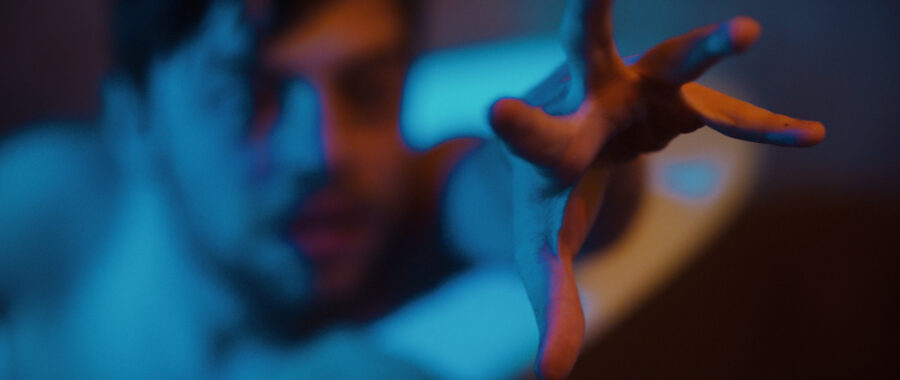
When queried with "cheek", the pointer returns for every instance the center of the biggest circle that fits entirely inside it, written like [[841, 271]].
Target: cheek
[[382, 164]]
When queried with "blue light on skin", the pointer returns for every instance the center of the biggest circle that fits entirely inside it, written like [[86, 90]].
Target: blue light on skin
[[692, 180], [184, 140], [293, 151], [717, 45], [786, 138], [296, 137], [477, 326], [201, 143], [476, 207], [200, 105], [52, 178], [138, 304], [5, 355]]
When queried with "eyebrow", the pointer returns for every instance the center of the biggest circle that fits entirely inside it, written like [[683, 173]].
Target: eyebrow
[[286, 13], [373, 58]]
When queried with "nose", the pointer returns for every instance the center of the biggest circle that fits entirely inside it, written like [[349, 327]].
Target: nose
[[307, 140], [296, 139], [335, 138]]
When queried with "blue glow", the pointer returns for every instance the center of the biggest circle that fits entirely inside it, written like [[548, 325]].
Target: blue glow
[[718, 44], [787, 138], [477, 326], [477, 207], [692, 179], [197, 106], [448, 93], [137, 294], [115, 221], [295, 139], [5, 354], [50, 176]]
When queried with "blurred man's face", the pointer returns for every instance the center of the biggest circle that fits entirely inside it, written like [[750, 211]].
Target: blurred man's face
[[345, 63], [316, 183]]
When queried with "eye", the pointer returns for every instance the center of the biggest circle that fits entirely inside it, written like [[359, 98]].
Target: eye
[[371, 90], [267, 97]]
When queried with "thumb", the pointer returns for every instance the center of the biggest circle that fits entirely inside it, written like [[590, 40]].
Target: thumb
[[539, 138], [527, 129], [554, 298]]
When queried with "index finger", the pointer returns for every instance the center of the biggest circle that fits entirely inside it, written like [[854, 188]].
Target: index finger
[[739, 119], [587, 35], [684, 58]]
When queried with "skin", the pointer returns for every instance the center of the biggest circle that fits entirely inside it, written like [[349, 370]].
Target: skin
[[562, 151], [351, 54], [607, 111], [195, 188], [564, 140]]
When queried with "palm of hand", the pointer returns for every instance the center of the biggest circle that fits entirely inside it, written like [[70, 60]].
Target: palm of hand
[[597, 110]]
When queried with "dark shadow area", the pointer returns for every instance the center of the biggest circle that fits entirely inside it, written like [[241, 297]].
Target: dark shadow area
[[801, 286]]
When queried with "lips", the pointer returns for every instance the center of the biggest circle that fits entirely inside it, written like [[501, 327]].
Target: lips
[[328, 226]]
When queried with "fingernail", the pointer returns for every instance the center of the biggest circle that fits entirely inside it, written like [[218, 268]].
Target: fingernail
[[743, 31]]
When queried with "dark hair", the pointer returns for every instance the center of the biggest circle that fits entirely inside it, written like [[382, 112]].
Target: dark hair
[[144, 29], [289, 12]]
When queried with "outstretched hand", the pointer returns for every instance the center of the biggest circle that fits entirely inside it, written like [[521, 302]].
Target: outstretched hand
[[597, 110]]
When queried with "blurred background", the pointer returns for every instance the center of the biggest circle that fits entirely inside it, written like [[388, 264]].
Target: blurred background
[[806, 280]]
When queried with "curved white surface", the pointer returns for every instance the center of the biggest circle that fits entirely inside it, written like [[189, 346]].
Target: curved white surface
[[695, 187]]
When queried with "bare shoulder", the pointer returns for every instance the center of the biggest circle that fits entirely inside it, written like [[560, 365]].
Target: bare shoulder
[[55, 185], [50, 160]]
